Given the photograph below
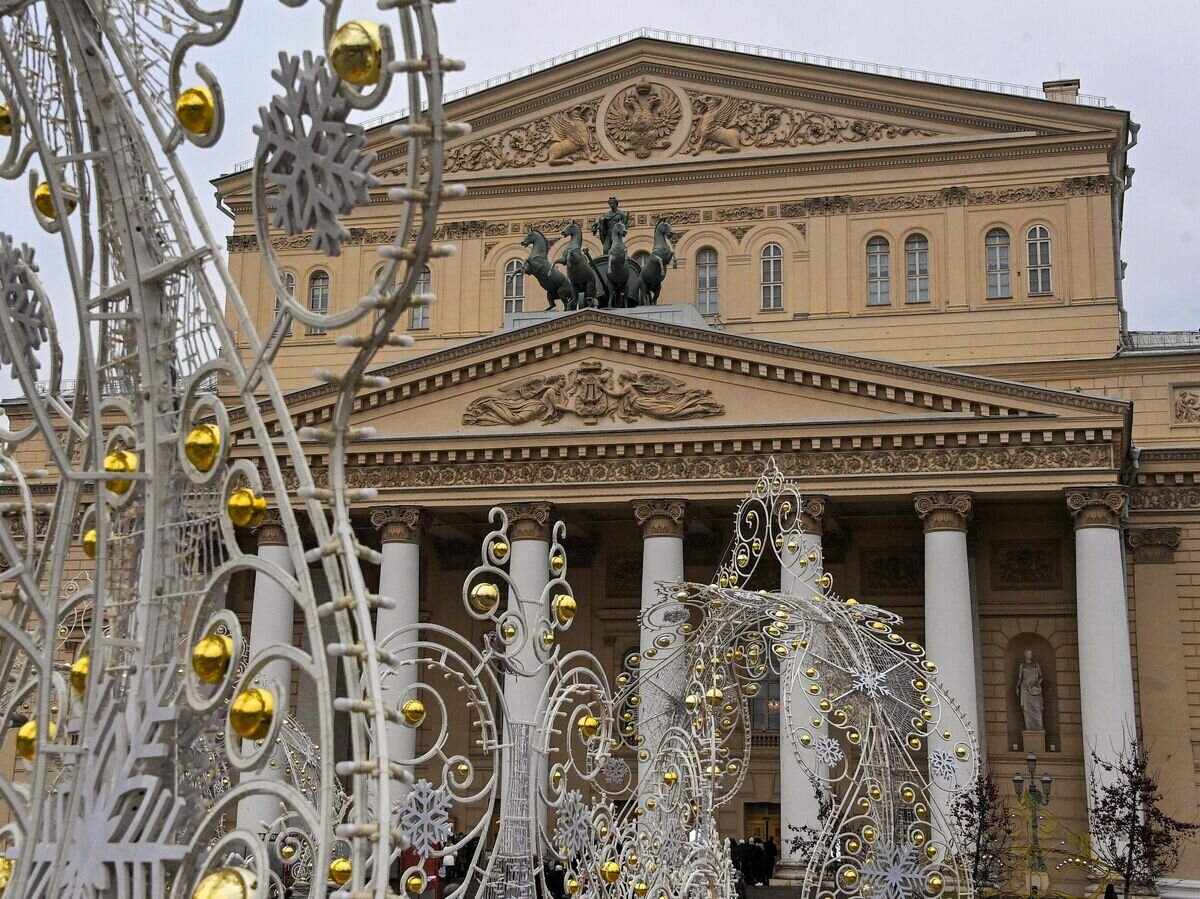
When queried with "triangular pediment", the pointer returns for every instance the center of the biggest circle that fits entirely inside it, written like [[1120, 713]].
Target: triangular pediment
[[606, 374]]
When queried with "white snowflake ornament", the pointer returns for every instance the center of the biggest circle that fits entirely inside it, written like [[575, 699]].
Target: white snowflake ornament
[[24, 305], [423, 817]]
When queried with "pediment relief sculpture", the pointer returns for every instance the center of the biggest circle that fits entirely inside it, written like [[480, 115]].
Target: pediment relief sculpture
[[724, 124], [561, 138], [592, 392], [643, 118]]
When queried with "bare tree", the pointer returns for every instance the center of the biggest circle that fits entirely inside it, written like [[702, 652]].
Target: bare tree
[[984, 832], [805, 837], [1130, 834]]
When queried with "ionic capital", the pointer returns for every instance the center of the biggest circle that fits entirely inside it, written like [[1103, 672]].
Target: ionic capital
[[1096, 507], [399, 524], [528, 521], [944, 511], [812, 515], [660, 517], [1153, 544], [270, 532]]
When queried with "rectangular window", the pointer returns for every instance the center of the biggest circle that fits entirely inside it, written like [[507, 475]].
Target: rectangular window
[[917, 271], [1039, 267], [419, 317], [879, 291], [764, 708], [998, 274], [772, 278], [318, 299], [706, 282]]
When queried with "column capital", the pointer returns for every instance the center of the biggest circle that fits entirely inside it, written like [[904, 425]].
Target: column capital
[[1153, 544], [812, 514], [528, 521], [1096, 507], [660, 517], [944, 511], [270, 532], [399, 524]]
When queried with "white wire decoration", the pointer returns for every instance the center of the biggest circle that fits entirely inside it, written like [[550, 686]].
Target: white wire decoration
[[139, 733]]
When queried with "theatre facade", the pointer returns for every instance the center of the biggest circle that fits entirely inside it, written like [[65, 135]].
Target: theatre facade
[[907, 293]]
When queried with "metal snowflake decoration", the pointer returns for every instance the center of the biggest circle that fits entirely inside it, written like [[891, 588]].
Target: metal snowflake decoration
[[827, 751], [895, 872], [574, 831], [311, 156], [873, 683], [615, 771], [942, 765], [423, 816], [24, 305]]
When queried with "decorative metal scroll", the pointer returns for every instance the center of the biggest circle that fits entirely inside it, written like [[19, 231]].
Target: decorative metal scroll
[[139, 735]]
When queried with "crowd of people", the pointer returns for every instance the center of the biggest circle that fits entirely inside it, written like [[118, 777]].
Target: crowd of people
[[754, 858]]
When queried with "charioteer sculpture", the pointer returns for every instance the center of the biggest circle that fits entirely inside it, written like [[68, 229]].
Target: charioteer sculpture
[[613, 280]]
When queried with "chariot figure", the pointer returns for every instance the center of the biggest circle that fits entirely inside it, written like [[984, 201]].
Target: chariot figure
[[603, 226]]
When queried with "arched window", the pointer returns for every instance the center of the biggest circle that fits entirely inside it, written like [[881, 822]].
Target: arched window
[[879, 272], [289, 284], [916, 269], [318, 297], [514, 286], [706, 281], [641, 257], [772, 276], [1037, 242], [999, 282], [419, 319]]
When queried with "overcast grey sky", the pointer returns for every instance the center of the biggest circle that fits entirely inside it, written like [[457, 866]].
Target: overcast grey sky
[[1142, 57]]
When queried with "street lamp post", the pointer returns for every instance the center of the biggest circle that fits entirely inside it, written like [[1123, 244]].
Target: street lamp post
[[1038, 799]]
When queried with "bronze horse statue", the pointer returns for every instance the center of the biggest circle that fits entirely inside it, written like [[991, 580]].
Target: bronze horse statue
[[654, 272], [624, 276], [579, 267], [554, 282]]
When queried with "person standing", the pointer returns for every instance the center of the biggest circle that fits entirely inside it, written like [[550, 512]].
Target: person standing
[[772, 852]]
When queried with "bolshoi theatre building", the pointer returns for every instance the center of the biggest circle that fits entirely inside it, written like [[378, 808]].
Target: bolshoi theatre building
[[906, 290]]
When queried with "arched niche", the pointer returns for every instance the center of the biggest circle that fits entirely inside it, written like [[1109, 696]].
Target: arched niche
[[1043, 654]]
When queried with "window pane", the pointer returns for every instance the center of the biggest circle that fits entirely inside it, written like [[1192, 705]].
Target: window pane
[[706, 282], [318, 298]]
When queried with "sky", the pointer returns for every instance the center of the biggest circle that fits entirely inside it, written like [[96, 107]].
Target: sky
[[1141, 58]]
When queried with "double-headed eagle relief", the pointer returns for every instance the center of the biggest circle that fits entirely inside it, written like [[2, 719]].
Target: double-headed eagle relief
[[643, 118]]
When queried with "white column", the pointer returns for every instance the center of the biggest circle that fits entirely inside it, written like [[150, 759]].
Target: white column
[[798, 804], [271, 623], [1105, 666], [950, 630], [529, 568], [400, 529], [662, 523]]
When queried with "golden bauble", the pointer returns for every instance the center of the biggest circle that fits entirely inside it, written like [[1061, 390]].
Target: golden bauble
[[641, 888], [484, 597], [610, 871], [572, 886], [43, 199], [246, 508], [462, 769], [500, 550], [88, 541], [339, 870], [849, 876], [27, 739], [557, 564], [413, 711], [547, 639], [288, 851], [211, 658], [414, 883], [588, 726], [6, 122], [202, 446], [356, 52], [508, 632], [713, 696], [251, 713], [565, 608], [79, 674], [935, 882], [743, 559], [122, 462], [227, 883], [671, 778], [196, 110]]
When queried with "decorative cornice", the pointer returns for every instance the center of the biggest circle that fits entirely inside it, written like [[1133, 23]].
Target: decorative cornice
[[660, 517], [1097, 507], [271, 531], [399, 524], [528, 521], [1153, 545], [1165, 499], [944, 511], [812, 514]]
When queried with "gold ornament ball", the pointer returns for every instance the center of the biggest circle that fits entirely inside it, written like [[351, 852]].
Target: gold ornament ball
[[565, 608], [89, 540], [588, 726], [79, 674], [196, 110], [414, 883], [500, 550], [120, 462], [6, 122], [484, 597], [935, 882], [43, 199], [610, 871], [508, 632], [671, 778], [849, 876], [413, 711], [246, 508], [288, 851], [202, 446], [557, 563], [641, 888], [547, 639], [27, 739], [572, 886], [356, 52], [339, 870], [226, 883], [211, 658], [714, 695], [251, 713]]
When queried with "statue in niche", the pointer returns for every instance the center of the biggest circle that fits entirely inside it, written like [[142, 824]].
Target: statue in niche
[[1029, 691]]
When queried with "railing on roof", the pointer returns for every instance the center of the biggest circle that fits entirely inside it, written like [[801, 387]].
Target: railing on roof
[[712, 43]]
